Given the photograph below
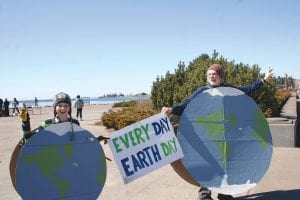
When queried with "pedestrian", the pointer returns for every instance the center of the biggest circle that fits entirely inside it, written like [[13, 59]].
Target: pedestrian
[[215, 76], [1, 105], [15, 105], [36, 102], [6, 108], [62, 113], [79, 105]]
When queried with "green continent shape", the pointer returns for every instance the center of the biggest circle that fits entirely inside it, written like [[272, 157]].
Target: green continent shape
[[215, 128], [261, 129], [213, 124], [102, 173], [69, 150], [49, 161], [232, 120]]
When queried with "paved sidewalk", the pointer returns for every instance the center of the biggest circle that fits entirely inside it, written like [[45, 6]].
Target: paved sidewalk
[[282, 181]]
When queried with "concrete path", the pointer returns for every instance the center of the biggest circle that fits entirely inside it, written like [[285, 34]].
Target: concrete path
[[282, 181]]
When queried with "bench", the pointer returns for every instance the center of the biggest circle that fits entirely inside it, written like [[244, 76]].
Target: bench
[[32, 108]]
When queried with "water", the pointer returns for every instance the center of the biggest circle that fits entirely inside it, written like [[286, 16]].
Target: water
[[93, 101]]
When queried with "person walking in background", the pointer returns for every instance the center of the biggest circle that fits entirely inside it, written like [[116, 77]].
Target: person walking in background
[[79, 105], [1, 105], [6, 108], [15, 105], [215, 75], [36, 102]]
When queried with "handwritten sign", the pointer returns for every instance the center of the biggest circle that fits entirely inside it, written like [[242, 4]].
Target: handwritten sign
[[144, 146]]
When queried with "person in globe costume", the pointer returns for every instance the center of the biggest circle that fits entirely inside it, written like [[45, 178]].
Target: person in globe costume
[[215, 76], [62, 113]]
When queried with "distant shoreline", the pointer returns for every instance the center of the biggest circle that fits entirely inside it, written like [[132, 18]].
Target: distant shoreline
[[88, 101]]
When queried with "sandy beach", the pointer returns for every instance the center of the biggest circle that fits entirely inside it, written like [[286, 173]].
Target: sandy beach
[[282, 181]]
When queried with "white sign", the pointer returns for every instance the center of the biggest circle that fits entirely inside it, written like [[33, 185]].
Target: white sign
[[144, 147]]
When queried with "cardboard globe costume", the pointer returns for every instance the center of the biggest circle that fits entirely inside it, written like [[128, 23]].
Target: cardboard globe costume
[[226, 141], [60, 161]]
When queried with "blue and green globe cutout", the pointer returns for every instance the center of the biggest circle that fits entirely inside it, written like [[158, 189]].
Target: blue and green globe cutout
[[61, 162], [226, 141]]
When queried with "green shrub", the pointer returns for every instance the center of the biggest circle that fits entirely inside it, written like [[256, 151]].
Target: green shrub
[[281, 96], [271, 100], [125, 104], [122, 118]]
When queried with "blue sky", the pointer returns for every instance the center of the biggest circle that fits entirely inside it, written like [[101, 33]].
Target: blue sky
[[96, 47]]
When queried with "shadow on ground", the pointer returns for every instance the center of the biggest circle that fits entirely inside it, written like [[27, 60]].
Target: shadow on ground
[[274, 195]]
